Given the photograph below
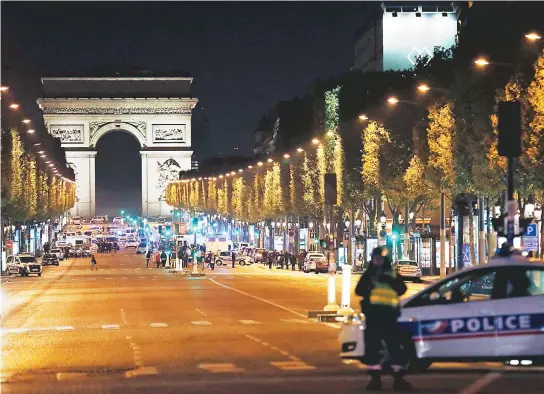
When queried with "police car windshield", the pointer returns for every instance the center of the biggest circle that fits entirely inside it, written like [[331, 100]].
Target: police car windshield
[[407, 262]]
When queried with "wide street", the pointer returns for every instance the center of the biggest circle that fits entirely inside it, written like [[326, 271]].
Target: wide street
[[129, 329]]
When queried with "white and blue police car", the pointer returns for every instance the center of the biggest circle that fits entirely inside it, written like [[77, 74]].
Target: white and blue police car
[[492, 312]]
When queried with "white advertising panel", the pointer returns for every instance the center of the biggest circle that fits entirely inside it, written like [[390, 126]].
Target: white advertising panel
[[406, 36]]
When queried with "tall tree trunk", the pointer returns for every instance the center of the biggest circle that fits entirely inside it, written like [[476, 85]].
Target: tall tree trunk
[[471, 233]]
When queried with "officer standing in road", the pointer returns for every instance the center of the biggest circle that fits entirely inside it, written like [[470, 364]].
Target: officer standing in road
[[380, 289], [233, 256]]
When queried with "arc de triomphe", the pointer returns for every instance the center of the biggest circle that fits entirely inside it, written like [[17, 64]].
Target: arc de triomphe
[[157, 111]]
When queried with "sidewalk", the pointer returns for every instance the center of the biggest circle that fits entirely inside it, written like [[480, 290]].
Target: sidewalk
[[424, 279]]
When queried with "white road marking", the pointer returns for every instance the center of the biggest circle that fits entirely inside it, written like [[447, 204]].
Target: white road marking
[[158, 325], [142, 277], [202, 323], [275, 348], [301, 321], [110, 326], [124, 277], [62, 376], [108, 278], [291, 365], [92, 278], [481, 383], [141, 371], [258, 298], [125, 269], [64, 328], [249, 322], [220, 368]]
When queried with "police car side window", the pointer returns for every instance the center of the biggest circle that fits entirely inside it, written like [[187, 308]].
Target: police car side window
[[522, 282], [473, 286]]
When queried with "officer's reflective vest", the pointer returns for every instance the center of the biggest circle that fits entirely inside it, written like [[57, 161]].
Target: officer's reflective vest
[[383, 294]]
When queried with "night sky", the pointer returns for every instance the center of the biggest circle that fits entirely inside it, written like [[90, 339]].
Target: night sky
[[244, 57]]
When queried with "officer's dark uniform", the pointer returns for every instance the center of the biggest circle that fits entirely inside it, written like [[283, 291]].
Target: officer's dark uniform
[[380, 288]]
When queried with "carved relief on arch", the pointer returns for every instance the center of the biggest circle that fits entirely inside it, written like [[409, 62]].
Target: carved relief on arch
[[99, 128]]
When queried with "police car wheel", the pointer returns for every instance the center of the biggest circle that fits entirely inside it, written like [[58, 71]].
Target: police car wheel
[[413, 363]]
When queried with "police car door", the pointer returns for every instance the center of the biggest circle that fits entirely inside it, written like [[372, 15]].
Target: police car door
[[455, 317], [520, 312]]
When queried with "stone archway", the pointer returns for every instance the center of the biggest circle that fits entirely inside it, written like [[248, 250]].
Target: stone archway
[[161, 125]]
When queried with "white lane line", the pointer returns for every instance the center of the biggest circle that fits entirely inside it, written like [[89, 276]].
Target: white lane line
[[125, 269], [124, 277], [292, 365], [276, 349], [63, 376], [141, 371], [481, 383], [109, 278], [136, 354], [142, 277], [92, 278], [110, 326], [202, 313], [201, 323], [301, 321], [64, 328], [248, 322], [124, 317], [220, 368], [155, 325], [258, 298]]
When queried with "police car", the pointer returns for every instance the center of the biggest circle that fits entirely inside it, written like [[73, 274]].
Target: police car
[[492, 312]]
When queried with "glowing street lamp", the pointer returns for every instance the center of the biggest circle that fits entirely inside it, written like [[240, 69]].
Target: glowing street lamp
[[299, 150], [315, 141], [250, 167], [4, 88], [423, 88], [240, 170], [286, 156], [481, 62], [260, 164], [330, 133], [30, 131], [269, 160], [14, 106], [363, 117], [533, 36], [26, 121], [392, 100]]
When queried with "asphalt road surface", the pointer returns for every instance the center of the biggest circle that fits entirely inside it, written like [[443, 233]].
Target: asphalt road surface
[[129, 329]]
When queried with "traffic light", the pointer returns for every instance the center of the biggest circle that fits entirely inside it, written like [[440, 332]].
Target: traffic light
[[160, 229], [500, 225]]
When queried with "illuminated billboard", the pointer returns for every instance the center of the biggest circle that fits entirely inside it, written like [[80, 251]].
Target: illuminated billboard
[[407, 36]]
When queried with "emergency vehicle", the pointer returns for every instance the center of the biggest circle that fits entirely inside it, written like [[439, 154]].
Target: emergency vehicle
[[492, 312]]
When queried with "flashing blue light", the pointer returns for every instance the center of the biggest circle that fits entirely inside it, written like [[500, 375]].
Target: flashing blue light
[[394, 237]]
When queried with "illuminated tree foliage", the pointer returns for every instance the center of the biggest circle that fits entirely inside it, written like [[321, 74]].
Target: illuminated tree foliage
[[25, 188], [332, 105], [374, 136], [440, 135]]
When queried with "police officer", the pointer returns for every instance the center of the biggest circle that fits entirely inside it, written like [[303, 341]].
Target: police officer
[[380, 289]]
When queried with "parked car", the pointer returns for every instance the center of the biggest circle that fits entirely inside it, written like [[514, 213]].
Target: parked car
[[490, 312], [23, 264], [408, 269], [75, 220], [310, 262], [50, 259], [132, 243], [58, 252], [244, 259], [224, 257], [142, 248], [118, 219]]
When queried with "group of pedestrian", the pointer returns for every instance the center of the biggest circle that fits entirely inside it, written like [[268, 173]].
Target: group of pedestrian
[[281, 259], [107, 247]]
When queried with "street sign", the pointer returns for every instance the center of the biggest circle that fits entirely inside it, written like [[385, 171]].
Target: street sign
[[9, 244], [531, 230], [530, 244]]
